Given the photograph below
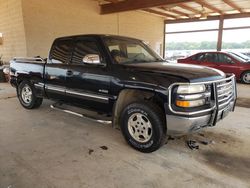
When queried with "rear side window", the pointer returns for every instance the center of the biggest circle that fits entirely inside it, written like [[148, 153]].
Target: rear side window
[[82, 48], [222, 58], [61, 51], [210, 57], [198, 57]]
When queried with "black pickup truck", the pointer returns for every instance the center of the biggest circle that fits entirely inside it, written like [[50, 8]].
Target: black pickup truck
[[145, 96]]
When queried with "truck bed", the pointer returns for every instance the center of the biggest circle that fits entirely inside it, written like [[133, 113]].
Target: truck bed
[[30, 68]]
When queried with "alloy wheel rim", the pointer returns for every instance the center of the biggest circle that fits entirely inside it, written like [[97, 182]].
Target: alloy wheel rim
[[26, 94], [246, 77], [139, 127]]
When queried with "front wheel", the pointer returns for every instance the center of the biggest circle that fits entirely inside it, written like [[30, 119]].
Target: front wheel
[[143, 126], [27, 97], [245, 78]]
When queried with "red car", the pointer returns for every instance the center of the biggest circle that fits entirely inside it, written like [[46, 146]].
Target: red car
[[226, 62]]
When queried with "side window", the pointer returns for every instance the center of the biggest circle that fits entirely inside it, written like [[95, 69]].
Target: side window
[[61, 51], [82, 48], [222, 58], [198, 57], [210, 57]]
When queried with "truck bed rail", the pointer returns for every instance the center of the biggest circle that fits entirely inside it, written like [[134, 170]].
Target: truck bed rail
[[29, 59]]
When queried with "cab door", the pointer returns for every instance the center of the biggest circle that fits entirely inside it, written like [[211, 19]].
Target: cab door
[[56, 69], [88, 84]]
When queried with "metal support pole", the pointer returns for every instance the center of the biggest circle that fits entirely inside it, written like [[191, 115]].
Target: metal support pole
[[220, 34]]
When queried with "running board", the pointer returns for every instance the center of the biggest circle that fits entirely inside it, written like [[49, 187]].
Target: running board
[[53, 106]]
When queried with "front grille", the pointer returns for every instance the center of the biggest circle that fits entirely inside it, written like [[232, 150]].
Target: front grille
[[225, 93]]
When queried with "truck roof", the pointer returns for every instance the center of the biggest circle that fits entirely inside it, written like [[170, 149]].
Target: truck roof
[[96, 35]]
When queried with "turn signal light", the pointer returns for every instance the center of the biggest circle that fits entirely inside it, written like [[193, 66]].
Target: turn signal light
[[183, 103], [187, 104]]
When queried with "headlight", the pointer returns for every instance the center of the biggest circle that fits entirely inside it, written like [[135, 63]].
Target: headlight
[[190, 89], [191, 95]]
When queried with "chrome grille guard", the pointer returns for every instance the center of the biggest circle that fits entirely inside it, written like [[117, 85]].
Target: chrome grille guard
[[224, 92]]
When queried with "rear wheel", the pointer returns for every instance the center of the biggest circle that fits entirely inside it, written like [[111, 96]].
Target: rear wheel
[[143, 126], [27, 97], [245, 78]]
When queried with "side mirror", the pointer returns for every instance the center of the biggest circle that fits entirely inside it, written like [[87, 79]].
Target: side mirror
[[91, 59]]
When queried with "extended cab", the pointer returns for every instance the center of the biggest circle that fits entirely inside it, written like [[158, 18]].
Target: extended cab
[[146, 97]]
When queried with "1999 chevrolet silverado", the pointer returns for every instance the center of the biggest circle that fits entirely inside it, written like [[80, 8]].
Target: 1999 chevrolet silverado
[[146, 97]]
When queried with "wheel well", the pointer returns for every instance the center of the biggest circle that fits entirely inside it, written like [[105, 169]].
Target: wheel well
[[128, 96], [22, 78]]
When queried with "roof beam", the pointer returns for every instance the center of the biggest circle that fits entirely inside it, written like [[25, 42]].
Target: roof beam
[[160, 13], [226, 16], [129, 5], [113, 1], [233, 5], [205, 4], [175, 11], [186, 7]]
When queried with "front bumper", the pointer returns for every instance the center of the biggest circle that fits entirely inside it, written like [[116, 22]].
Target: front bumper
[[181, 123]]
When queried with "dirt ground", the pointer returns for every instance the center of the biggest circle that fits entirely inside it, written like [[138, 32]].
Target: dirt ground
[[44, 148]]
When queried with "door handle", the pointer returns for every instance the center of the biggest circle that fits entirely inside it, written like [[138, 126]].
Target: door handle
[[69, 73]]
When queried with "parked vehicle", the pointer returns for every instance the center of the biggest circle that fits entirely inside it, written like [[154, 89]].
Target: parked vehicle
[[146, 97], [247, 53], [241, 55], [226, 62]]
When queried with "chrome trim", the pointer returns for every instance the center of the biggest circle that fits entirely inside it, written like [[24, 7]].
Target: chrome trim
[[87, 95], [193, 96], [227, 93], [179, 125], [82, 94], [28, 59], [53, 88], [227, 98], [232, 77], [225, 84], [40, 85], [226, 103], [224, 89], [80, 115]]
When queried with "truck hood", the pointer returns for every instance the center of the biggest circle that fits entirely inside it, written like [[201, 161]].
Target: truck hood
[[192, 73]]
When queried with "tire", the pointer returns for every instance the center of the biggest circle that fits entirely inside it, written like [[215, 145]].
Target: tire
[[143, 126], [245, 77], [27, 97]]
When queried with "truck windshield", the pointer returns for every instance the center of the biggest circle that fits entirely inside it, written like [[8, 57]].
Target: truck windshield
[[126, 51]]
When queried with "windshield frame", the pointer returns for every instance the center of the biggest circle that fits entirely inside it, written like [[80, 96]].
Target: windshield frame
[[141, 43]]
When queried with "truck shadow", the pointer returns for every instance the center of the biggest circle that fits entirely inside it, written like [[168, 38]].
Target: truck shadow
[[236, 166], [243, 102]]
